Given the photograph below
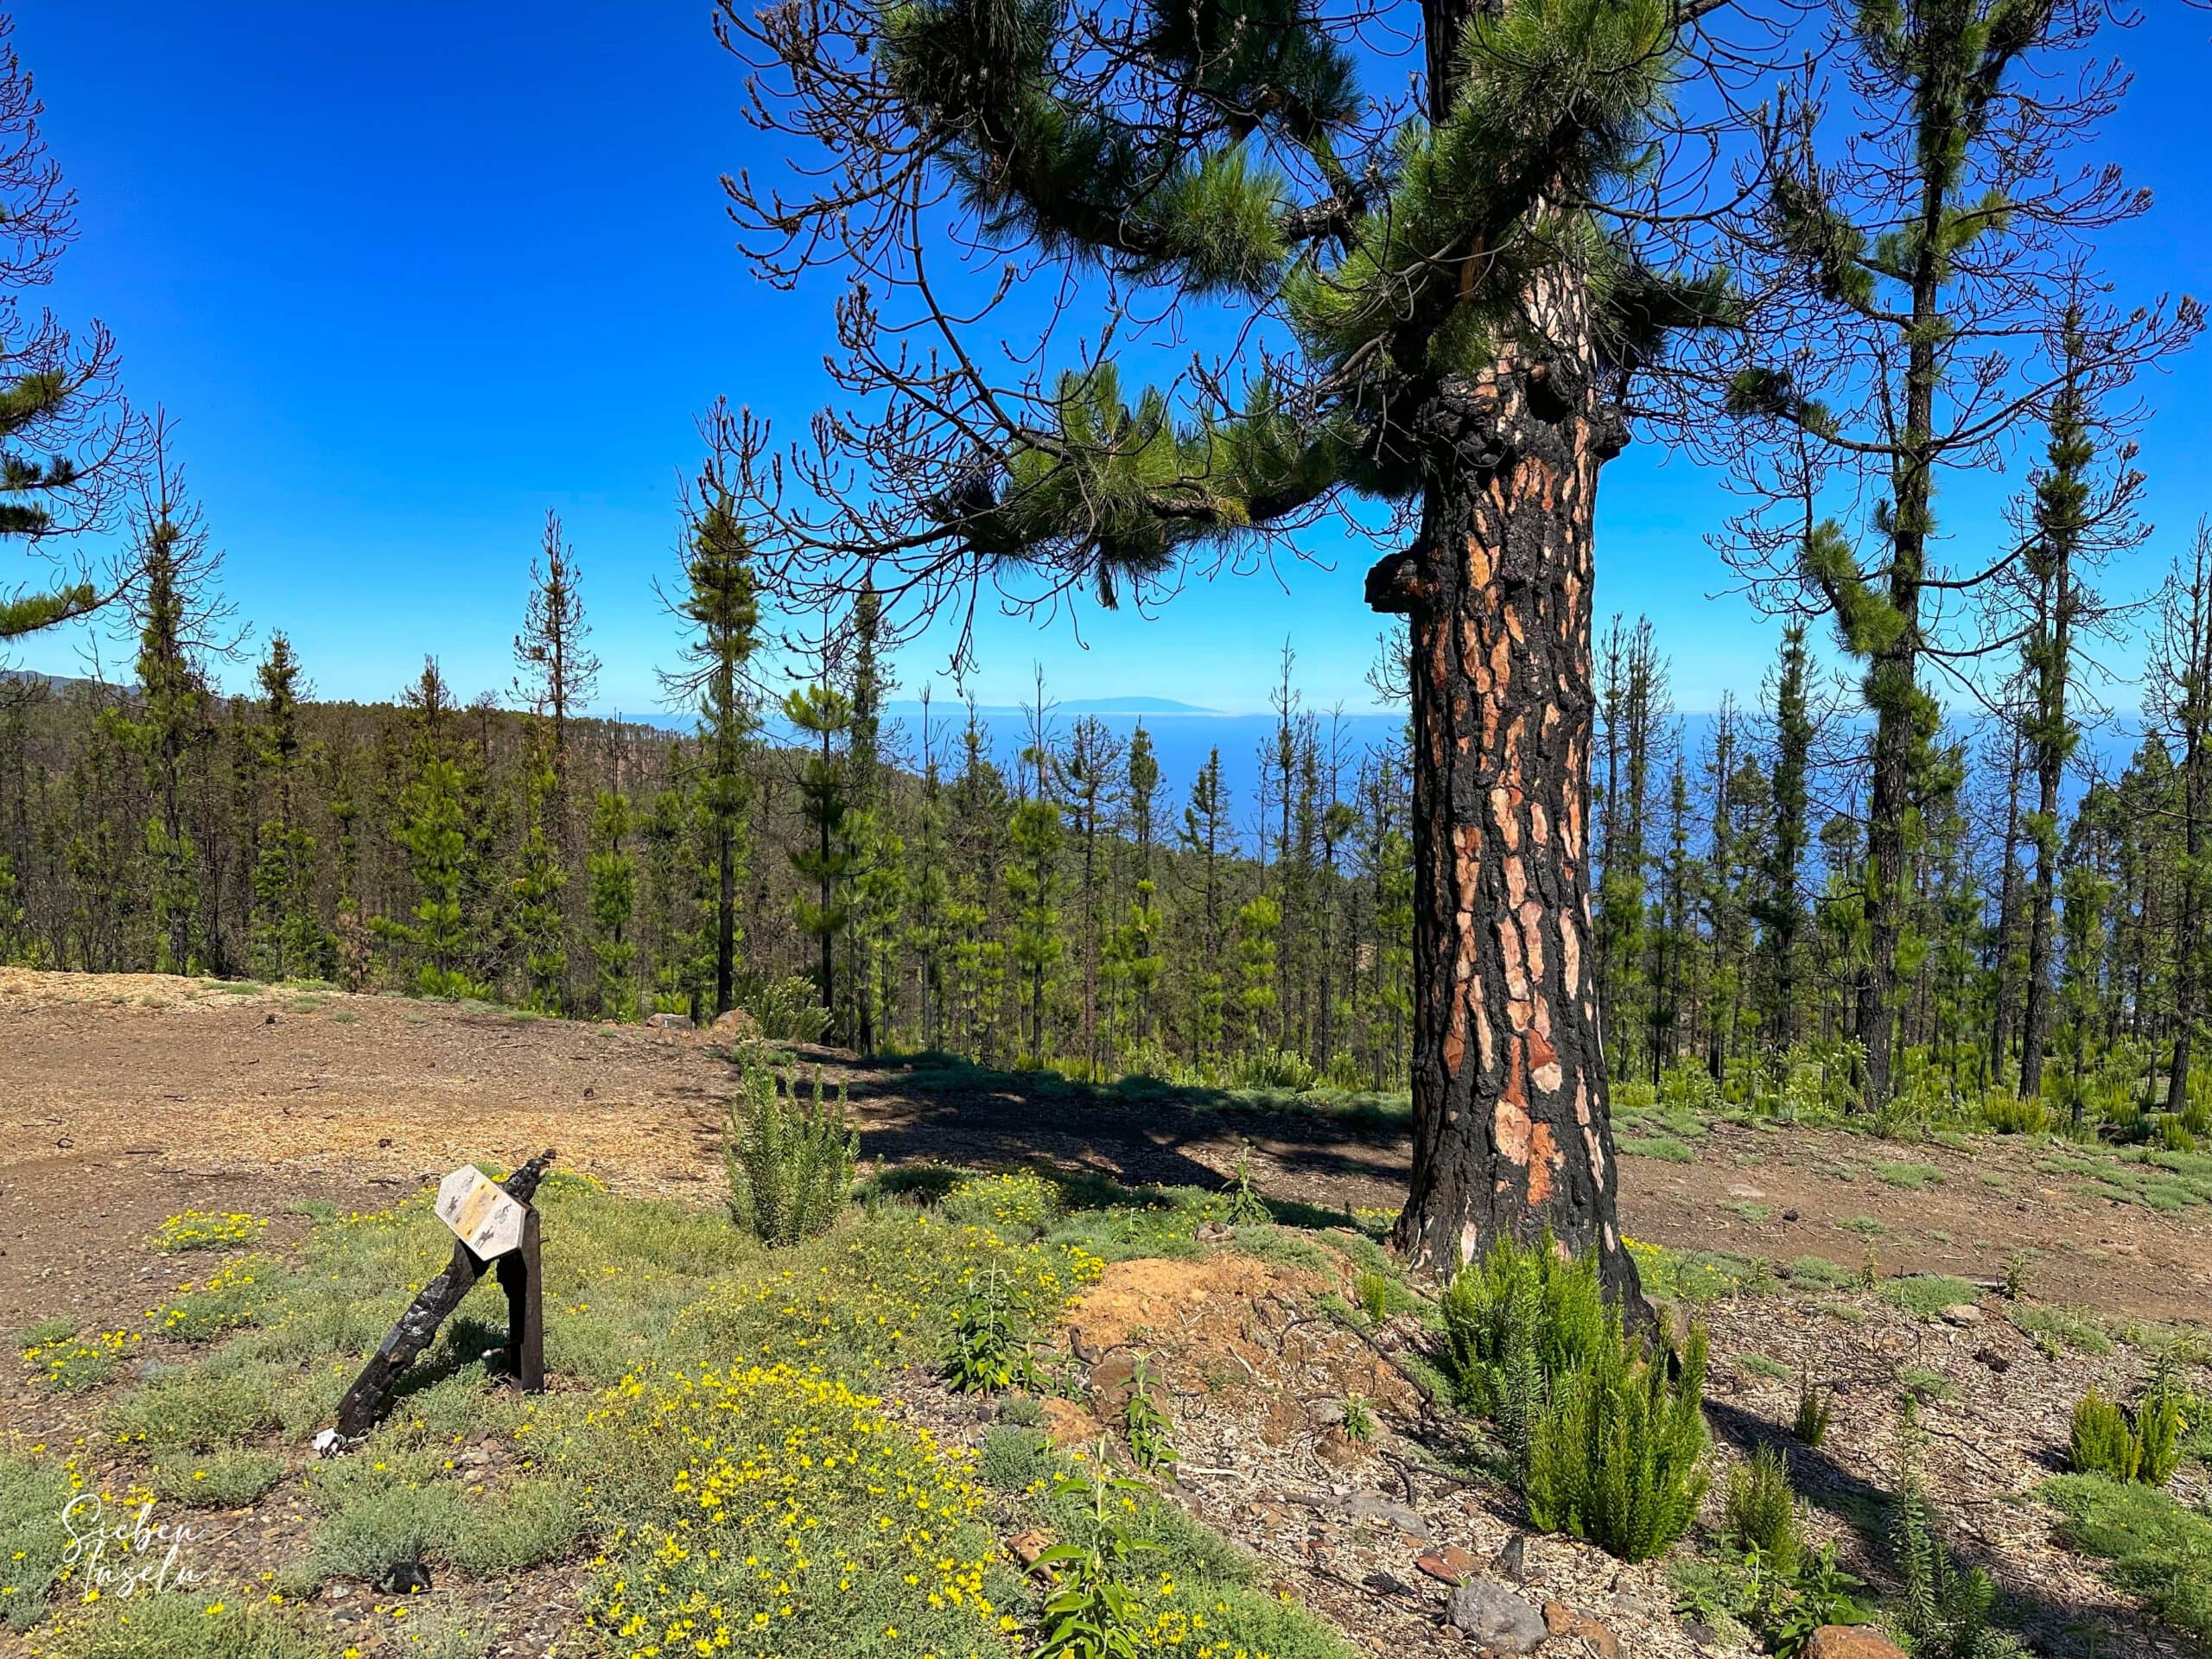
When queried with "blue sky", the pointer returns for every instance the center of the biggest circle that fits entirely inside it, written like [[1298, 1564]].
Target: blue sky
[[406, 275]]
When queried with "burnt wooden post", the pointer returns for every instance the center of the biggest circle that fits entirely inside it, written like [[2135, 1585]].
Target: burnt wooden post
[[522, 1279], [373, 1391]]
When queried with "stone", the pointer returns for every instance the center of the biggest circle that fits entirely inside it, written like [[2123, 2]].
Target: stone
[[405, 1578], [736, 1022], [668, 1022], [1995, 1360], [1026, 1546], [1513, 1558], [1373, 1506], [1562, 1621], [1961, 1313], [1489, 1613], [1450, 1563], [1849, 1642], [1113, 1380]]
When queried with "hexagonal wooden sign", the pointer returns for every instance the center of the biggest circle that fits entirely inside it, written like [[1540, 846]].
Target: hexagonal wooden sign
[[483, 1215]]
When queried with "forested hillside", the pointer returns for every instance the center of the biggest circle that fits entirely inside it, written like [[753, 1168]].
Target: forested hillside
[[903, 886]]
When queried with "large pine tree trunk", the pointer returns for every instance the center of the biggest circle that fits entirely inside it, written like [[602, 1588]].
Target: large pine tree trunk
[[1511, 1134]]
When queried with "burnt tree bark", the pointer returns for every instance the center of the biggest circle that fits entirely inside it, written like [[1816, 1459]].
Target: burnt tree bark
[[1511, 1131]]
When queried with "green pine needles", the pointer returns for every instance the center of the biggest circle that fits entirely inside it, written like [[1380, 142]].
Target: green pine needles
[[790, 1158], [1608, 1434]]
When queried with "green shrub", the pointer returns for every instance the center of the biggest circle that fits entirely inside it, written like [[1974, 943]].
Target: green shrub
[[2106, 1441], [1014, 1459], [1018, 1204], [1150, 1432], [1928, 1293], [1617, 1456], [2010, 1114], [1514, 1321], [204, 1408], [787, 1010], [989, 1348], [1814, 1410], [186, 1624], [1279, 1069], [1760, 1511], [220, 1480], [790, 1159], [1942, 1610]]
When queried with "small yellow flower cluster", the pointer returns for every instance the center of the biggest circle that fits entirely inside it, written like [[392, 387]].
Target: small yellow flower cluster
[[1016, 1198], [1163, 1621], [226, 1299], [206, 1229], [794, 1499], [74, 1362]]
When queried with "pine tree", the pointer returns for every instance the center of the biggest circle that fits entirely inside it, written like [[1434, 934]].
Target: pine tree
[[290, 941], [2077, 522], [69, 446], [178, 620], [1782, 912], [822, 716], [1204, 836], [879, 887], [540, 881], [720, 606], [556, 675], [432, 828], [1906, 260], [1461, 312], [1033, 881], [613, 902]]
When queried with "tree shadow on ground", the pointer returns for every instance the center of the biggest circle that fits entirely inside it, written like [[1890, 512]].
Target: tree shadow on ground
[[933, 1108]]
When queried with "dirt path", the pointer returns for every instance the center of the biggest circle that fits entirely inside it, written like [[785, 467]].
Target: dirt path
[[126, 1098]]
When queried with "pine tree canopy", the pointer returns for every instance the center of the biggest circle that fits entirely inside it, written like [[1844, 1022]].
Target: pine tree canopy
[[1223, 155]]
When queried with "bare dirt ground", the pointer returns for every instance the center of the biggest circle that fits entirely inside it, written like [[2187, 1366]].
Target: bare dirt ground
[[126, 1099]]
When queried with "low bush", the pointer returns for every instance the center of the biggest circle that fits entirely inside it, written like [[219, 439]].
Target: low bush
[[1017, 1205], [1617, 1459], [2147, 1446], [1759, 1511], [1943, 1610], [787, 1010], [207, 1230], [1513, 1322], [1609, 1444], [1014, 1459], [179, 1624], [790, 1159], [220, 1480]]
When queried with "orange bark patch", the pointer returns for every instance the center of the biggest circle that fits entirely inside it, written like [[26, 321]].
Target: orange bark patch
[[1543, 1064], [1543, 1157]]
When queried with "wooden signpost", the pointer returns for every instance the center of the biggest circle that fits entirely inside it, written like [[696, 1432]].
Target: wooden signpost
[[493, 1225]]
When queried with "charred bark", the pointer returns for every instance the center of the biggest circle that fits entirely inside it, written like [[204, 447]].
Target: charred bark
[[1511, 1135]]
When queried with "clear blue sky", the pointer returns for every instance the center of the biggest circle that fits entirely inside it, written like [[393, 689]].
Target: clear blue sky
[[408, 274]]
